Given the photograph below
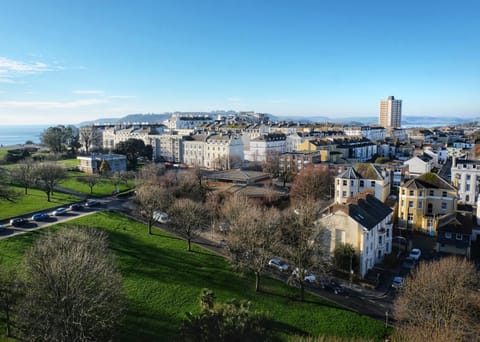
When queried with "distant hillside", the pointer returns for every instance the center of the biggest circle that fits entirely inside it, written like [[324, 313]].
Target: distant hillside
[[151, 118]]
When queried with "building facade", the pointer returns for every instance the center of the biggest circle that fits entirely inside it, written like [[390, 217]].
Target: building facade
[[90, 164], [466, 178], [390, 113]]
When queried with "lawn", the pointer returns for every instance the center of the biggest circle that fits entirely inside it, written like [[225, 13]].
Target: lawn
[[36, 200], [104, 188], [162, 281], [69, 163]]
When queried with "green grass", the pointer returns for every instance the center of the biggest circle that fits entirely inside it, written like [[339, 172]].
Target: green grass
[[36, 200], [104, 188], [69, 163], [162, 281]]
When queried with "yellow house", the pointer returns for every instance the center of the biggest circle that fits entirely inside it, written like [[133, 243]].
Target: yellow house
[[424, 201], [311, 145]]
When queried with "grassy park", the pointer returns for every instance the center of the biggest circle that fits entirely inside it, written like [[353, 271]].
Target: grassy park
[[162, 281]]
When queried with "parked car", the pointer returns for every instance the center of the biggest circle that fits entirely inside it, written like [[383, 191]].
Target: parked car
[[40, 217], [415, 254], [75, 206], [332, 285], [59, 211], [91, 203], [160, 217], [278, 264], [409, 263], [17, 222], [309, 277], [397, 282]]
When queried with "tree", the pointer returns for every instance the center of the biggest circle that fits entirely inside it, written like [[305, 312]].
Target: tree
[[104, 167], [73, 288], [312, 184], [151, 198], [230, 322], [89, 137], [187, 186], [345, 257], [188, 218], [48, 175], [132, 149], [253, 235], [90, 181], [11, 290], [8, 194], [60, 138], [439, 302], [24, 174], [381, 160], [272, 163], [303, 243]]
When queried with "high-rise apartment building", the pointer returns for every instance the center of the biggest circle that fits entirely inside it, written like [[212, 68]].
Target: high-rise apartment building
[[390, 113]]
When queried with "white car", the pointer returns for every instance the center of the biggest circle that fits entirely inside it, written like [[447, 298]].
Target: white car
[[160, 217], [59, 212], [278, 264], [309, 277], [397, 282], [415, 254]]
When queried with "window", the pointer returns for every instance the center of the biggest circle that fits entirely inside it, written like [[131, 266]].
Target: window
[[338, 181], [410, 204], [410, 193], [403, 192], [467, 198], [379, 240], [372, 183], [351, 182], [388, 232], [468, 177], [344, 182], [429, 208], [362, 183], [420, 193], [444, 194], [467, 187], [344, 194], [419, 205], [459, 236], [444, 206], [431, 193], [430, 223], [410, 217], [402, 202], [448, 235]]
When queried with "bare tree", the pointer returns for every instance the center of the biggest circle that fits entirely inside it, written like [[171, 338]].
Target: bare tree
[[90, 181], [253, 236], [48, 175], [73, 288], [271, 163], [11, 290], [8, 194], [440, 302], [24, 174], [152, 198], [150, 174], [303, 243], [89, 137], [189, 218], [312, 184]]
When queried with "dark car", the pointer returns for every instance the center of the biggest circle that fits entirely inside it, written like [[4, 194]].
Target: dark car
[[91, 203], [75, 206], [17, 222], [40, 217], [332, 285], [409, 263]]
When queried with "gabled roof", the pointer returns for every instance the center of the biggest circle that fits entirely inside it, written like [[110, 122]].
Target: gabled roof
[[350, 173], [428, 180], [369, 211], [368, 171]]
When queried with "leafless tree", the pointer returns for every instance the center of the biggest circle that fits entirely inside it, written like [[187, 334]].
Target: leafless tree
[[150, 173], [8, 194], [151, 198], [73, 288], [312, 184], [11, 290], [271, 163], [89, 137], [303, 243], [90, 180], [189, 218], [24, 174], [48, 175], [253, 235], [440, 302]]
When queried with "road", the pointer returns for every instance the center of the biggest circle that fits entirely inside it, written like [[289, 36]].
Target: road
[[366, 302]]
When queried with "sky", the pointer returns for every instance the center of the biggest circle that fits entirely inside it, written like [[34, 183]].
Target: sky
[[64, 62]]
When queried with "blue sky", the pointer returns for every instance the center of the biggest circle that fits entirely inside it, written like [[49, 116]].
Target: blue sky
[[70, 61]]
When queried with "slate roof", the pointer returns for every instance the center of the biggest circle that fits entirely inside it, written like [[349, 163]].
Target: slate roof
[[235, 175], [369, 211], [428, 180], [425, 157], [350, 173]]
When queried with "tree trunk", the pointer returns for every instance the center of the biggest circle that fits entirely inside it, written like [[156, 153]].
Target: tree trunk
[[26, 190], [257, 281], [150, 227], [189, 244], [48, 195], [7, 320], [302, 292]]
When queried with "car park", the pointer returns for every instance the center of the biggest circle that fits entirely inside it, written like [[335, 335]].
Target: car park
[[40, 217], [415, 254], [59, 212], [332, 285], [75, 206], [17, 222], [278, 264], [397, 282]]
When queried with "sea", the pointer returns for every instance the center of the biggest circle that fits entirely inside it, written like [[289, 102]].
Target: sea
[[14, 135]]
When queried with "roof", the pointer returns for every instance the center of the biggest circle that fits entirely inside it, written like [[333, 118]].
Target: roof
[[428, 180], [350, 173], [462, 224], [369, 211], [368, 171], [236, 175], [425, 157]]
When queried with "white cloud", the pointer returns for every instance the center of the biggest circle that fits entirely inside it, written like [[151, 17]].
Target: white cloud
[[88, 92], [10, 69], [50, 104], [121, 96]]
